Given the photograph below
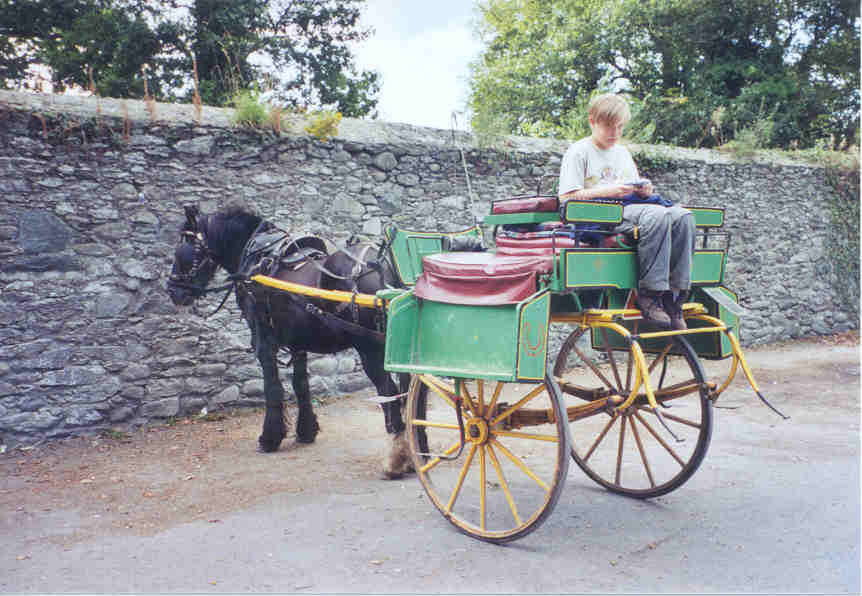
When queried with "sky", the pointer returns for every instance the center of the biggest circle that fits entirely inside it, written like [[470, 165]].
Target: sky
[[422, 49]]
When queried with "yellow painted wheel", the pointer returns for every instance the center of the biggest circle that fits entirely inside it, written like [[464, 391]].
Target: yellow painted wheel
[[631, 452], [506, 478]]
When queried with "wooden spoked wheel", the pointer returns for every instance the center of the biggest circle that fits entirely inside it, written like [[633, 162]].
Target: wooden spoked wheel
[[632, 452], [505, 479]]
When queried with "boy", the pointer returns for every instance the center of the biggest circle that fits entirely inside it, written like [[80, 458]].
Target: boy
[[598, 167]]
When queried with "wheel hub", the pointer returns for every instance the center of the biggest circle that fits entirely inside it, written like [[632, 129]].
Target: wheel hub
[[476, 431]]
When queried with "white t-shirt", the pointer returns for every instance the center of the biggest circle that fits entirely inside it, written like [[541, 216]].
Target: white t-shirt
[[586, 166]]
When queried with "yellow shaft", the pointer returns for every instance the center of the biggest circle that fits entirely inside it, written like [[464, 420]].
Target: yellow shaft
[[368, 300]]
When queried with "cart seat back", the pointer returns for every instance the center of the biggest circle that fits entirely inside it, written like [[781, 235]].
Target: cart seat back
[[407, 249], [538, 204], [533, 246], [482, 278]]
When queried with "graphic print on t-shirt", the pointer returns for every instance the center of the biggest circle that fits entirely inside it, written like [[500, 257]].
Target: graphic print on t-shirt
[[608, 176]]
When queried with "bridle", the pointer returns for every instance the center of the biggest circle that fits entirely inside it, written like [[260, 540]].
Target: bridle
[[188, 280], [203, 260]]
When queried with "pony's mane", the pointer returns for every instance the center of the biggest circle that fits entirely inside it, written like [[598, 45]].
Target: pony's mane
[[235, 218], [228, 231], [236, 212]]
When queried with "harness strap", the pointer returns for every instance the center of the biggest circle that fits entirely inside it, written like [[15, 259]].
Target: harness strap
[[337, 322], [323, 269]]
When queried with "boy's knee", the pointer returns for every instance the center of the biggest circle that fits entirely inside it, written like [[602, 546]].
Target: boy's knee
[[678, 212], [681, 216], [658, 219]]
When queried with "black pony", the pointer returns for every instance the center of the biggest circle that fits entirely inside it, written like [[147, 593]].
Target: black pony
[[241, 242]]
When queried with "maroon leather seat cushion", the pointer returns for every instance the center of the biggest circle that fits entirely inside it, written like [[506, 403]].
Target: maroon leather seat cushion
[[479, 277], [528, 205], [532, 246]]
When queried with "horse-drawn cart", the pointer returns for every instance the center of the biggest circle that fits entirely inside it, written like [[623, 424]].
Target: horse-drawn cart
[[492, 415]]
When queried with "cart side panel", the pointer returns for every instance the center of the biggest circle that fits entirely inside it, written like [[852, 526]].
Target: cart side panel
[[602, 268], [707, 217], [592, 212], [618, 268], [707, 267], [533, 319], [454, 340], [402, 320]]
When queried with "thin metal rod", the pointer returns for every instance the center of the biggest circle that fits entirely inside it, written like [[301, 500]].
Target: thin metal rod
[[771, 407], [664, 424], [438, 458]]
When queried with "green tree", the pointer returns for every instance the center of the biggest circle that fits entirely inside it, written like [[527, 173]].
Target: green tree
[[298, 49], [698, 71], [106, 47], [534, 65], [25, 26]]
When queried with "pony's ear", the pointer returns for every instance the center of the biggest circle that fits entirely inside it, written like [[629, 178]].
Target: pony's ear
[[192, 213]]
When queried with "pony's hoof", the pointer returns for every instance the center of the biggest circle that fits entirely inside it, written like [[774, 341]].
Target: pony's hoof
[[307, 433], [267, 446], [391, 475], [397, 463]]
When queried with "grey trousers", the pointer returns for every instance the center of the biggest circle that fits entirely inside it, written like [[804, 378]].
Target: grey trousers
[[665, 245]]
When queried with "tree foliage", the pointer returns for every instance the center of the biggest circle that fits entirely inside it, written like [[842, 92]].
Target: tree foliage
[[297, 49], [698, 71]]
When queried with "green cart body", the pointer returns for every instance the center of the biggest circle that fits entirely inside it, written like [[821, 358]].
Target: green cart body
[[509, 342]]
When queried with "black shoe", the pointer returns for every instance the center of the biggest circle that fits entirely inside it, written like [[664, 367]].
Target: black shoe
[[673, 307], [652, 308]]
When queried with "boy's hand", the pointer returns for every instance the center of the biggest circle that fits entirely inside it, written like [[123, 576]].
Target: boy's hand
[[645, 190], [641, 187]]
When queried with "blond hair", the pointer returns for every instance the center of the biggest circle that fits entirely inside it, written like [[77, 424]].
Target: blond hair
[[609, 109]]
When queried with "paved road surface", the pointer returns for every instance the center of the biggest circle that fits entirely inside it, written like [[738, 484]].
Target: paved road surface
[[775, 508]]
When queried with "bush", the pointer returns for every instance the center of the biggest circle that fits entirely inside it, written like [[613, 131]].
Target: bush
[[323, 124]]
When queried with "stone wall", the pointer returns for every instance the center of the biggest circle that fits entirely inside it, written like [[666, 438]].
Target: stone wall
[[92, 193]]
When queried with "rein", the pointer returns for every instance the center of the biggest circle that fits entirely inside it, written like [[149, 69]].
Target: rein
[[230, 287]]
